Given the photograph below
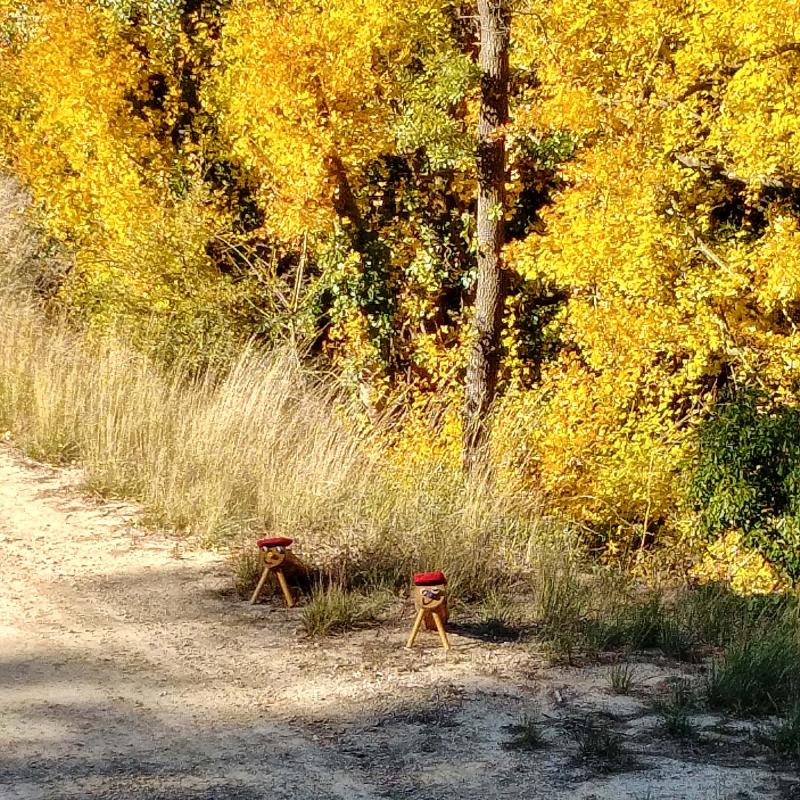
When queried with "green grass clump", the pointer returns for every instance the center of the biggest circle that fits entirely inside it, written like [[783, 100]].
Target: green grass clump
[[675, 711], [713, 613], [622, 678], [758, 673], [676, 639], [638, 626], [602, 748], [334, 609], [784, 736], [560, 599], [602, 612], [527, 734]]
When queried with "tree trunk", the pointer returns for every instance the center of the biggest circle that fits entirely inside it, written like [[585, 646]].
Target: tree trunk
[[484, 359]]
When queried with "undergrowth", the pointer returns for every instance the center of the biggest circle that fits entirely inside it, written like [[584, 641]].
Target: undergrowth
[[601, 748], [266, 444], [334, 609], [783, 737], [675, 711], [757, 673]]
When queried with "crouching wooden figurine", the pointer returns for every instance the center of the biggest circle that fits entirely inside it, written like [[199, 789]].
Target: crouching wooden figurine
[[430, 598], [274, 554]]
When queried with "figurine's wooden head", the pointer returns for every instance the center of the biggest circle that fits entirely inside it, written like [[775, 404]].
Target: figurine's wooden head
[[430, 598], [430, 595]]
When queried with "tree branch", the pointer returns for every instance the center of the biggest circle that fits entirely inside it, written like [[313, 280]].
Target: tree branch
[[716, 170]]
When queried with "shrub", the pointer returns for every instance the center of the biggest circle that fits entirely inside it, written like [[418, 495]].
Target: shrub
[[746, 476]]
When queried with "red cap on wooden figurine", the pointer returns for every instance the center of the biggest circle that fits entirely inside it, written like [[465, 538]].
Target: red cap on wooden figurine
[[274, 541], [429, 579]]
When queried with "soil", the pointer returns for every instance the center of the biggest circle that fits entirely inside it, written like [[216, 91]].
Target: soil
[[129, 669]]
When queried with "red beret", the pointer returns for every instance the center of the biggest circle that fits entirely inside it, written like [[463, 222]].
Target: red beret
[[429, 579], [274, 541]]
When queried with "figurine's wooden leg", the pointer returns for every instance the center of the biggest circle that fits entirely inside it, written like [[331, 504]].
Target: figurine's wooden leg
[[415, 629], [440, 627], [261, 582], [284, 588]]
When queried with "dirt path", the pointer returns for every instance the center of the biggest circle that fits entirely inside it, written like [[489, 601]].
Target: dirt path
[[128, 670]]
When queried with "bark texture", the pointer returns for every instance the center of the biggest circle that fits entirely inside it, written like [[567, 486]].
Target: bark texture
[[484, 358]]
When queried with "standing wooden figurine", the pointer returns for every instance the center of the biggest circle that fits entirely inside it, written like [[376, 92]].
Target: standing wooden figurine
[[274, 554], [430, 598]]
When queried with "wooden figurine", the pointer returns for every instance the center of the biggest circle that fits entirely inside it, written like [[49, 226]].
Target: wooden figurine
[[430, 599], [274, 553]]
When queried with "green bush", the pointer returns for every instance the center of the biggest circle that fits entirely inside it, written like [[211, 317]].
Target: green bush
[[746, 476]]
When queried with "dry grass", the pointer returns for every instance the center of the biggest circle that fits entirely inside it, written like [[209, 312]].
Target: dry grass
[[270, 445], [266, 445]]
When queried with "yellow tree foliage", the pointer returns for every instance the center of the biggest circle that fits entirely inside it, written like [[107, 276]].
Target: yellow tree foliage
[[76, 127], [674, 236], [315, 99], [73, 136], [307, 97]]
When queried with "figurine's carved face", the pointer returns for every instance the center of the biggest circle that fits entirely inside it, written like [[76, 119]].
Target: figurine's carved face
[[274, 556], [431, 596]]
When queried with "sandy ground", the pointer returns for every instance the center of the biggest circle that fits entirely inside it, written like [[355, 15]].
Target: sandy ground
[[129, 670]]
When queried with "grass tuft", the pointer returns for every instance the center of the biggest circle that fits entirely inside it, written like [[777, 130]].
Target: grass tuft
[[601, 748], [333, 609], [783, 737], [758, 673], [527, 734], [247, 568], [675, 711], [622, 677]]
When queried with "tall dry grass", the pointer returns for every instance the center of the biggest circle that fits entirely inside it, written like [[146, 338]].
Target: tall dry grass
[[265, 445]]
